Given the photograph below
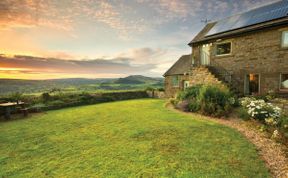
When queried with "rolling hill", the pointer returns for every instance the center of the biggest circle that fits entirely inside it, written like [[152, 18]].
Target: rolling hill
[[132, 82]]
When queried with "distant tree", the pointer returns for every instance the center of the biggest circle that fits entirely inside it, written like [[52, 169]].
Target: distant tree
[[46, 97], [16, 97], [54, 90]]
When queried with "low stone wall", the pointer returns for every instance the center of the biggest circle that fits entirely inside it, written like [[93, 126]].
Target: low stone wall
[[156, 94]]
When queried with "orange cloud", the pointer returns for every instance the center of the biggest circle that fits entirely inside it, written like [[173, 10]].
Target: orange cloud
[[43, 68]]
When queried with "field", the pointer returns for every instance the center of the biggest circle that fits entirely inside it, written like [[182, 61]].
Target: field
[[124, 139], [78, 85]]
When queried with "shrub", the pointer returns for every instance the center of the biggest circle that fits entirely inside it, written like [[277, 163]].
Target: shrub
[[149, 89], [268, 114], [245, 101], [194, 106], [215, 101], [209, 100], [190, 93], [56, 103], [38, 107], [242, 113], [15, 97], [260, 110], [174, 101], [283, 124], [46, 97]]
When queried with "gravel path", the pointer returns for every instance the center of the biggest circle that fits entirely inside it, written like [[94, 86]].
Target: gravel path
[[271, 152]]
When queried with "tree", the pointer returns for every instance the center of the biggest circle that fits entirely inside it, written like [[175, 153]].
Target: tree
[[16, 97]]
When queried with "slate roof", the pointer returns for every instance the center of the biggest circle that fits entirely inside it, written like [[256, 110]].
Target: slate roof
[[181, 66], [255, 19]]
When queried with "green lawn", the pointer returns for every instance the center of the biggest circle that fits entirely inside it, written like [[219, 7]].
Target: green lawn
[[124, 139]]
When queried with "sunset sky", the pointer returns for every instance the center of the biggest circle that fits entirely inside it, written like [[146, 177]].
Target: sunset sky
[[42, 39]]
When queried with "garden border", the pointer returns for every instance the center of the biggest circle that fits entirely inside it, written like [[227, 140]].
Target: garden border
[[272, 153]]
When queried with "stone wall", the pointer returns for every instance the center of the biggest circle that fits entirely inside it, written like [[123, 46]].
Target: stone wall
[[257, 53], [156, 94], [170, 90], [201, 75]]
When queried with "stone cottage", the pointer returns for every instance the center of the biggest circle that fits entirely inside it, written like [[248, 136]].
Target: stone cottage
[[247, 52]]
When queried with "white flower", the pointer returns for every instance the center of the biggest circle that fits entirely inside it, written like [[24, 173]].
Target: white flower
[[275, 134]]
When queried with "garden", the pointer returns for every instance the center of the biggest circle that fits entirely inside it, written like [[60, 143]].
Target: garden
[[218, 101]]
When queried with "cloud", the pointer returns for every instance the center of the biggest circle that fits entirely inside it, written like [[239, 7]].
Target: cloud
[[33, 13], [144, 55], [96, 67]]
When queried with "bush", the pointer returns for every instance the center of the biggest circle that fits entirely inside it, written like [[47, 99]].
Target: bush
[[174, 101], [260, 110], [161, 89], [190, 93], [46, 97], [243, 114], [209, 100], [149, 89], [15, 97], [215, 101], [59, 100], [56, 103], [283, 124], [38, 107], [268, 114], [194, 106]]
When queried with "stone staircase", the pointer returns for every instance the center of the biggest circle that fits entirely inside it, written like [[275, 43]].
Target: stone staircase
[[226, 77]]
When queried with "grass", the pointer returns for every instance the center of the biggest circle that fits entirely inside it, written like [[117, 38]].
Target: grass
[[137, 138]]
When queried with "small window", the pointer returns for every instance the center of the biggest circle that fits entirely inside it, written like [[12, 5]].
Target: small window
[[285, 39], [223, 49], [284, 81], [175, 81]]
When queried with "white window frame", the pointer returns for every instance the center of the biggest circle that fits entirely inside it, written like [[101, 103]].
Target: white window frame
[[282, 40], [184, 83], [216, 45]]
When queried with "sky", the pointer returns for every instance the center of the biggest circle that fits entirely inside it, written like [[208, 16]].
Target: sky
[[47, 39]]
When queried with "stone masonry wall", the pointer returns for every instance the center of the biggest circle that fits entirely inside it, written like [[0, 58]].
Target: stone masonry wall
[[170, 90], [199, 75], [257, 53]]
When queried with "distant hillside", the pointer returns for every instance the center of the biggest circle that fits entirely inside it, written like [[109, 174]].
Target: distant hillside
[[133, 82], [138, 79]]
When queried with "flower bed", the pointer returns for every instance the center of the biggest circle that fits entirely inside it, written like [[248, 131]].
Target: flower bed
[[268, 114]]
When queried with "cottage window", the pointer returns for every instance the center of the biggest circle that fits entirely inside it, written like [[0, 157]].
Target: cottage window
[[223, 49], [175, 81], [284, 81], [285, 39]]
